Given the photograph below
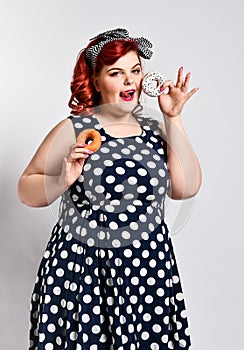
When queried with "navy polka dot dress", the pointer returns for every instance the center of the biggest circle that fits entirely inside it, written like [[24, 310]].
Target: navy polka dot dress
[[108, 279]]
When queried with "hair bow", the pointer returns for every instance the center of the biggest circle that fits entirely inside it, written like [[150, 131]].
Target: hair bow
[[144, 45]]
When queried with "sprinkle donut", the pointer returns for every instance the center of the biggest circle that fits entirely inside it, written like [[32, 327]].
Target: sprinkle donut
[[148, 86], [90, 135]]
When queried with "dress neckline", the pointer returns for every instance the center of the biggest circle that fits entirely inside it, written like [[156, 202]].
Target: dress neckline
[[99, 126]]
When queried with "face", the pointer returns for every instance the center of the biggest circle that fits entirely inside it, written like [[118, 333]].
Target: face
[[120, 82]]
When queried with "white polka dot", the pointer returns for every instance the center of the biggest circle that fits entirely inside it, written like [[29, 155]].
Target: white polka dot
[[187, 331], [178, 325], [135, 281], [110, 300], [126, 234], [57, 290], [158, 310], [133, 299], [145, 254], [85, 337], [96, 310], [147, 317], [183, 314], [145, 236], [154, 346], [110, 179], [141, 189], [136, 262], [93, 224], [87, 298], [103, 338], [49, 346], [70, 305], [47, 299], [160, 237], [132, 180], [156, 328], [151, 281], [143, 272], [182, 343], [148, 299], [73, 336], [152, 263], [161, 172], [118, 262], [85, 318], [130, 164], [131, 208], [64, 254], [123, 217], [127, 271], [165, 338], [108, 163], [50, 280], [161, 190], [116, 243], [51, 328], [175, 279], [179, 296], [134, 226], [54, 309], [96, 329], [166, 319], [104, 150], [151, 165], [41, 337], [119, 188], [136, 243], [128, 253], [60, 272], [161, 255], [113, 225], [120, 170]]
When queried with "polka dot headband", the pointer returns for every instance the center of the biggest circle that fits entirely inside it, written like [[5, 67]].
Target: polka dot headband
[[144, 45]]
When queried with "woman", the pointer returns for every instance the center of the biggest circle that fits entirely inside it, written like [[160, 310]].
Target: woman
[[108, 278]]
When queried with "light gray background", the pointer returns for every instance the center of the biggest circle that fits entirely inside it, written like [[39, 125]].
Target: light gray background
[[39, 44]]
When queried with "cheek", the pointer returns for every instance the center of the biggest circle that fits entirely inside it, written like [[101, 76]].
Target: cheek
[[111, 88]]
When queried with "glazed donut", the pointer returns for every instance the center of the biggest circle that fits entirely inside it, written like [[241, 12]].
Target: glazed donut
[[147, 83], [90, 135]]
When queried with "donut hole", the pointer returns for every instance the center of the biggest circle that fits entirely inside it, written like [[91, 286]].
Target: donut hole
[[89, 140], [154, 84], [166, 91]]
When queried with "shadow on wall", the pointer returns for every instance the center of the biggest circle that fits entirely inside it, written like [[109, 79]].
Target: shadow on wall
[[24, 235]]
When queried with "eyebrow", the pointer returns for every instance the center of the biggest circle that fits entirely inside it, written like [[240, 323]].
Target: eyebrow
[[122, 69]]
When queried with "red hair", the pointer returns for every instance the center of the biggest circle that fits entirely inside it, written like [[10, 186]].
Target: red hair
[[84, 96]]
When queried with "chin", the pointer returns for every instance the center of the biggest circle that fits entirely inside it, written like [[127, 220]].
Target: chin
[[120, 108]]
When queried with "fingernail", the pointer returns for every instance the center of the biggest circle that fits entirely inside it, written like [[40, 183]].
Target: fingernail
[[86, 155], [90, 151]]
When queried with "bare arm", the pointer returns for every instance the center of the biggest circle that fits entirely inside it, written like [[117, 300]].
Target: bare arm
[[183, 165], [55, 166]]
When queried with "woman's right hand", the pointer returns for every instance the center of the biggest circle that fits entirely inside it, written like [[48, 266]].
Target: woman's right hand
[[73, 164]]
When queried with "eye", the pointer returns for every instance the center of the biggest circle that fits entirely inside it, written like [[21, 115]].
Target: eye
[[136, 71], [115, 74]]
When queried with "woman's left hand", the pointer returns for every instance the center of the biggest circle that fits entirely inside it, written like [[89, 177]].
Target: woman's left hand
[[172, 103]]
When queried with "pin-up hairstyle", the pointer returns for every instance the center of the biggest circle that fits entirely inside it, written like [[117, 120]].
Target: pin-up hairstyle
[[104, 49]]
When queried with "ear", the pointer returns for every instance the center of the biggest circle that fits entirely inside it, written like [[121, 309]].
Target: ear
[[95, 83]]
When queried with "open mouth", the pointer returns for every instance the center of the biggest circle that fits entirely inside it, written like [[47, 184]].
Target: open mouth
[[127, 95]]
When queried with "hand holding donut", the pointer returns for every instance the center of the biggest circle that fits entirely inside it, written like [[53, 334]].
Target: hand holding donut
[[80, 151], [172, 103]]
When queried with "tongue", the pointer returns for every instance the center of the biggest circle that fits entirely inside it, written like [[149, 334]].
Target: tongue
[[125, 94]]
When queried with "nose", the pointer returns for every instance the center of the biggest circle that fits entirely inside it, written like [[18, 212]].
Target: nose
[[128, 80]]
